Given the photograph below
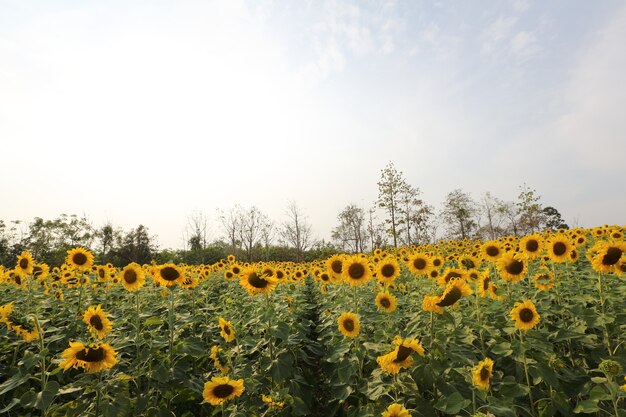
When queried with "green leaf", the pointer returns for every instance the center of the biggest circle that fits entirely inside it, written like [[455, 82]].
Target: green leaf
[[586, 406], [13, 382], [45, 397], [452, 404], [153, 321]]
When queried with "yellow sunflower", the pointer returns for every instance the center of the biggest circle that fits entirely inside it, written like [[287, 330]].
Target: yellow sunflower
[[24, 265], [92, 358], [387, 270], [349, 324], [559, 248], [449, 274], [102, 272], [531, 245], [491, 250], [386, 301], [215, 355], [356, 271], [455, 289], [271, 402], [168, 275], [132, 276], [41, 271], [482, 372], [396, 410], [512, 267], [420, 264], [430, 304], [97, 321], [256, 283], [400, 357], [226, 329], [79, 258], [221, 389], [334, 265], [543, 280], [607, 255], [525, 315]]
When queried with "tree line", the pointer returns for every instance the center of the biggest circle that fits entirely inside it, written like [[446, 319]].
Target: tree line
[[399, 216]]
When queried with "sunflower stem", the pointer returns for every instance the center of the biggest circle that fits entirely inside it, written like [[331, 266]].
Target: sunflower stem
[[480, 325], [525, 362], [607, 339], [473, 401], [171, 320], [432, 331], [137, 322], [98, 395], [355, 300], [43, 357]]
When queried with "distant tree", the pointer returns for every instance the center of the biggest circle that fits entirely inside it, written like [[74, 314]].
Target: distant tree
[[106, 238], [231, 225], [510, 212], [375, 231], [552, 219], [531, 214], [137, 246], [251, 222], [296, 231], [196, 231], [267, 236], [492, 209], [351, 232], [391, 187], [459, 212]]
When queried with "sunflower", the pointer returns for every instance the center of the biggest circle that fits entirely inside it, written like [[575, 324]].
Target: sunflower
[[215, 355], [25, 264], [79, 258], [226, 330], [387, 270], [221, 389], [455, 289], [430, 304], [400, 357], [356, 271], [386, 301], [92, 358], [607, 255], [531, 245], [482, 373], [543, 280], [525, 315], [491, 250], [271, 402], [420, 264], [559, 248], [349, 325], [396, 410], [512, 267], [449, 274], [256, 283], [334, 264], [5, 312], [41, 271], [132, 276], [97, 321], [168, 275]]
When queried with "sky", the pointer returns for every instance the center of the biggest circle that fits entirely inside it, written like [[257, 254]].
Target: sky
[[147, 112]]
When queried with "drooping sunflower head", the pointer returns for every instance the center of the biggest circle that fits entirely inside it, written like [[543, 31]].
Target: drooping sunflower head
[[396, 410], [386, 302], [168, 275], [455, 290], [349, 324], [482, 373], [387, 270], [512, 267], [41, 271], [221, 389], [256, 283], [25, 264], [97, 321], [132, 276], [607, 255], [430, 304], [79, 258], [356, 271], [525, 315], [226, 329], [92, 358]]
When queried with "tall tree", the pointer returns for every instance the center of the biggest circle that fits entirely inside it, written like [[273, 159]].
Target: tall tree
[[391, 187], [553, 220], [530, 211], [351, 231], [459, 212], [251, 222], [296, 231], [137, 246], [491, 207], [231, 225], [197, 231], [376, 232]]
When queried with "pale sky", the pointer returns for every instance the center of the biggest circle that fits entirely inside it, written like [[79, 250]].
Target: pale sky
[[145, 112]]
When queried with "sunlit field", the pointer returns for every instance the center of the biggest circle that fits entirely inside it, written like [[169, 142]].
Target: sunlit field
[[531, 326]]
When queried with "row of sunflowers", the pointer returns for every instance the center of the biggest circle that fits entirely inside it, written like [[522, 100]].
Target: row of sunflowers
[[530, 326]]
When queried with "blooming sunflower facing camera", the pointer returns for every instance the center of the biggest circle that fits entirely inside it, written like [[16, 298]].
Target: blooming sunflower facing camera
[[92, 358], [349, 324], [256, 283], [222, 389], [481, 375], [226, 330], [525, 315]]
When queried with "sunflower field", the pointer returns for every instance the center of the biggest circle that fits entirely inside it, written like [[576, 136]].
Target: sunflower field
[[530, 326]]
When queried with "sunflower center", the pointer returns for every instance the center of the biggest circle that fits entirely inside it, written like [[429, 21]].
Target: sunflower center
[[324, 277], [79, 259], [227, 329], [236, 270], [169, 274], [492, 251], [256, 281], [18, 280], [484, 374], [130, 276], [348, 324], [385, 302], [91, 354], [101, 273], [419, 263], [223, 391], [515, 267], [37, 270], [612, 256], [526, 315], [559, 248], [403, 353], [388, 270], [24, 263], [451, 275], [356, 271], [468, 263], [336, 266], [532, 246], [280, 274], [96, 322], [450, 298]]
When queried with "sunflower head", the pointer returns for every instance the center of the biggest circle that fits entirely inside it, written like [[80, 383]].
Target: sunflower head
[[481, 375], [386, 302], [132, 276], [168, 275], [455, 290], [257, 283], [79, 258], [559, 248], [221, 389], [97, 321], [92, 358], [421, 264], [525, 315], [356, 271], [387, 270], [25, 264], [226, 329], [396, 410], [512, 267], [430, 304], [334, 265], [349, 324]]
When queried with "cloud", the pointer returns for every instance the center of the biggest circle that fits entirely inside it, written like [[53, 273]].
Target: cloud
[[496, 33], [524, 45]]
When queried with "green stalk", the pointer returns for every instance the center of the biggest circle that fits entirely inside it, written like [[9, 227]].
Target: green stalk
[[530, 391], [607, 339], [171, 320]]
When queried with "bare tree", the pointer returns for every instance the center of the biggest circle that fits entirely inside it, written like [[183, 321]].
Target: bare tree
[[231, 225], [459, 212], [296, 232], [491, 207], [351, 230], [251, 223], [267, 235], [375, 231], [391, 187], [197, 231]]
